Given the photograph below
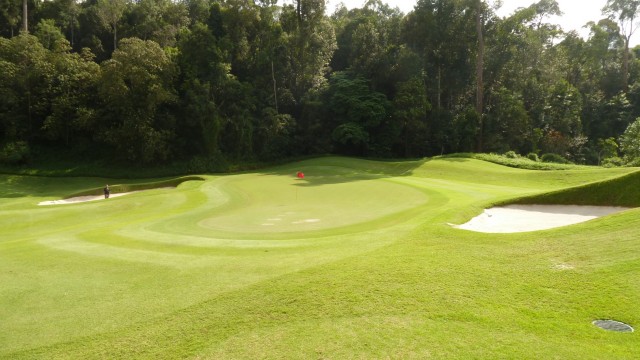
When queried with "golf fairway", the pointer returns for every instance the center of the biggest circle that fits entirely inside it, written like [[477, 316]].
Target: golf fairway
[[356, 260]]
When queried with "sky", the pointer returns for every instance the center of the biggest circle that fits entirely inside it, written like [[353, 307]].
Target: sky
[[576, 12]]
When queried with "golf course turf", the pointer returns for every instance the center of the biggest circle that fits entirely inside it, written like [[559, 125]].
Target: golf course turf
[[356, 260]]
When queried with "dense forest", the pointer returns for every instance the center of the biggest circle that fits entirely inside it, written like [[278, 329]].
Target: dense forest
[[159, 81]]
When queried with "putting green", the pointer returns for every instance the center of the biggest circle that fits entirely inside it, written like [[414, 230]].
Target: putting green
[[281, 203]]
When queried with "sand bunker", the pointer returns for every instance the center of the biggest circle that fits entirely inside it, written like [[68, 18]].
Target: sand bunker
[[521, 218], [79, 199]]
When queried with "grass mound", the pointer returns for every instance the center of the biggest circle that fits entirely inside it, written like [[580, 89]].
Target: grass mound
[[620, 191], [517, 162]]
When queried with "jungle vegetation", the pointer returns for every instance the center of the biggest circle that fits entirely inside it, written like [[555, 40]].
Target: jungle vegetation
[[206, 81]]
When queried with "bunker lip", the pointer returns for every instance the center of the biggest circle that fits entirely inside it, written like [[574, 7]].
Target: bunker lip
[[81, 199], [522, 218]]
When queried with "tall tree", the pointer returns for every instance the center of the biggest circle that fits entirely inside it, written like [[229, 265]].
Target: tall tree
[[311, 43], [25, 80], [411, 108], [480, 71], [110, 12], [203, 70], [69, 17], [25, 16], [73, 100], [625, 12], [136, 90], [9, 15]]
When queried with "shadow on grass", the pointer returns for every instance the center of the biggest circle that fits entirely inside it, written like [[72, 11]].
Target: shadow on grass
[[339, 170], [124, 188], [17, 186]]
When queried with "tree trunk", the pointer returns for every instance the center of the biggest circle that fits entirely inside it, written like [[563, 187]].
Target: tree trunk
[[275, 88], [25, 15], [439, 95], [625, 64], [480, 74]]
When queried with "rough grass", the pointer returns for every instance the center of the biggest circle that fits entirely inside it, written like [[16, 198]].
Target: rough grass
[[193, 272], [519, 162]]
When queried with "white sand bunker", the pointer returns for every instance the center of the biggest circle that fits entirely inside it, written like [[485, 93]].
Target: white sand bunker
[[79, 199], [521, 218]]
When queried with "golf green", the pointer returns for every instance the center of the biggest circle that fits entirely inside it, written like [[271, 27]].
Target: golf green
[[275, 203]]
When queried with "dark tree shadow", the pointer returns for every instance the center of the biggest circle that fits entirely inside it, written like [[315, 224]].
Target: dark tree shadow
[[339, 170]]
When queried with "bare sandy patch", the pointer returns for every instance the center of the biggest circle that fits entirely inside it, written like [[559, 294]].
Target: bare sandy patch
[[306, 221], [563, 267], [521, 218], [81, 199]]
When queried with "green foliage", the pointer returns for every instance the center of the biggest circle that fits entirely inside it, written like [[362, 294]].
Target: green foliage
[[26, 75], [259, 80], [554, 158], [507, 123], [203, 165], [351, 100], [135, 88], [273, 137], [352, 138], [13, 153], [614, 161], [411, 106], [48, 34], [110, 12], [630, 141], [10, 13], [309, 43], [533, 157], [563, 110], [511, 154], [518, 162], [358, 111]]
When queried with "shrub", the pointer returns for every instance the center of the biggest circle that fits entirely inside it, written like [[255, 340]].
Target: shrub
[[511, 154], [554, 158], [629, 140], [17, 152], [613, 161], [533, 157]]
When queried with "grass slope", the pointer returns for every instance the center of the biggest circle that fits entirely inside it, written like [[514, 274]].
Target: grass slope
[[354, 261], [622, 191]]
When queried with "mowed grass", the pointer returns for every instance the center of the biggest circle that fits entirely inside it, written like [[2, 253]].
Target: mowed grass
[[357, 260]]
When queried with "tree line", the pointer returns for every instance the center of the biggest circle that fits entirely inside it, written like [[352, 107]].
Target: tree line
[[154, 81]]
